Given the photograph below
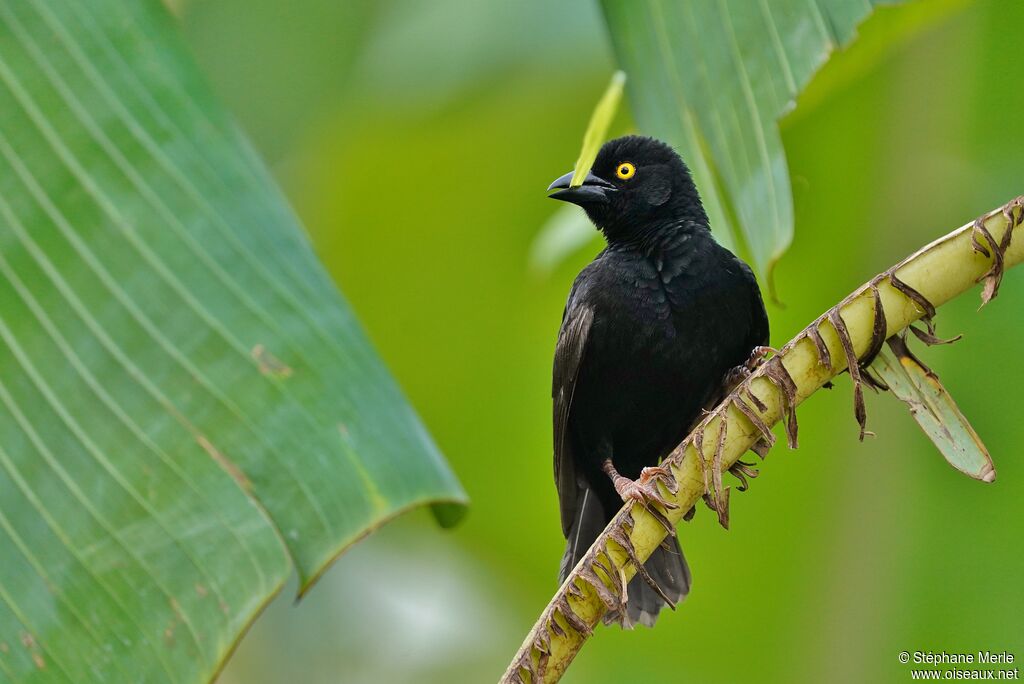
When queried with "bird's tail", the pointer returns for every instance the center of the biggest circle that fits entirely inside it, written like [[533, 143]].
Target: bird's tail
[[588, 525], [666, 566]]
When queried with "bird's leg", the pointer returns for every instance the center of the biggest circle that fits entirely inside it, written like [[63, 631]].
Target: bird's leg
[[737, 374], [645, 490]]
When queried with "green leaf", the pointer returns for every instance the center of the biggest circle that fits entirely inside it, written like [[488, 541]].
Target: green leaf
[[185, 399], [597, 129], [712, 78], [934, 410]]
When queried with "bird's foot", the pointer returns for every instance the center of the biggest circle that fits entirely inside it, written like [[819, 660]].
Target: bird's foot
[[733, 377], [645, 491], [662, 474], [737, 374], [758, 355]]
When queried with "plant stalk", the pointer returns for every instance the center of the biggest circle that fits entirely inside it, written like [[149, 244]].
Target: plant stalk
[[851, 331]]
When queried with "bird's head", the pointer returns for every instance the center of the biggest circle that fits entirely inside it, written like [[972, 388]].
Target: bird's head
[[637, 185]]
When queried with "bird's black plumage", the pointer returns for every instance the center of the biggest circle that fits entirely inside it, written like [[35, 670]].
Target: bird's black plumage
[[650, 329]]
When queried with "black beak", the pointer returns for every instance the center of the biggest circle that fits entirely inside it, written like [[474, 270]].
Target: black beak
[[594, 190]]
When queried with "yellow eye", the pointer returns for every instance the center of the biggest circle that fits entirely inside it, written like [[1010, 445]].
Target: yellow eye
[[625, 171]]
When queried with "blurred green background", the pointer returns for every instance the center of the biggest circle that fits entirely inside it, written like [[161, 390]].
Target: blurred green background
[[382, 120]]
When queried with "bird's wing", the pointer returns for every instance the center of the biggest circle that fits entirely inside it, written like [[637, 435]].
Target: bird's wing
[[572, 343]]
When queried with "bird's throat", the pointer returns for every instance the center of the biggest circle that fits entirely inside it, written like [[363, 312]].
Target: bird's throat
[[664, 239]]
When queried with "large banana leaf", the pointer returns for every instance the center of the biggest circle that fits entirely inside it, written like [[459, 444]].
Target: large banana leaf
[[185, 399], [713, 77]]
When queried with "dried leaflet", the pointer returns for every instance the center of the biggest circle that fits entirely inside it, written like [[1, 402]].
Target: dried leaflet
[[767, 436], [571, 618], [930, 338], [926, 308], [720, 495], [871, 381], [756, 401], [996, 250], [698, 445], [824, 356], [761, 448], [853, 366], [589, 575], [994, 276], [612, 577], [878, 325], [626, 544], [775, 371], [642, 572], [742, 470], [655, 513]]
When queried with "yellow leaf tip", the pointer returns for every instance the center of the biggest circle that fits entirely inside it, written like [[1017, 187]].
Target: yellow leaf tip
[[597, 130]]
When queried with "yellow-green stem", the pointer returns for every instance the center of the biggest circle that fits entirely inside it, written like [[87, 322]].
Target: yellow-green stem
[[939, 271]]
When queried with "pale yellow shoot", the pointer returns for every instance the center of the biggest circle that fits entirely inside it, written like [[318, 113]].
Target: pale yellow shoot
[[597, 130]]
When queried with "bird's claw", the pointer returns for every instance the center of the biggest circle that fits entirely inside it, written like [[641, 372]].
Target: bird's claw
[[662, 474], [737, 374], [734, 376], [758, 355], [644, 492]]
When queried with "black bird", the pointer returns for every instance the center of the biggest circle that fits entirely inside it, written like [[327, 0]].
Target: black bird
[[651, 329]]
